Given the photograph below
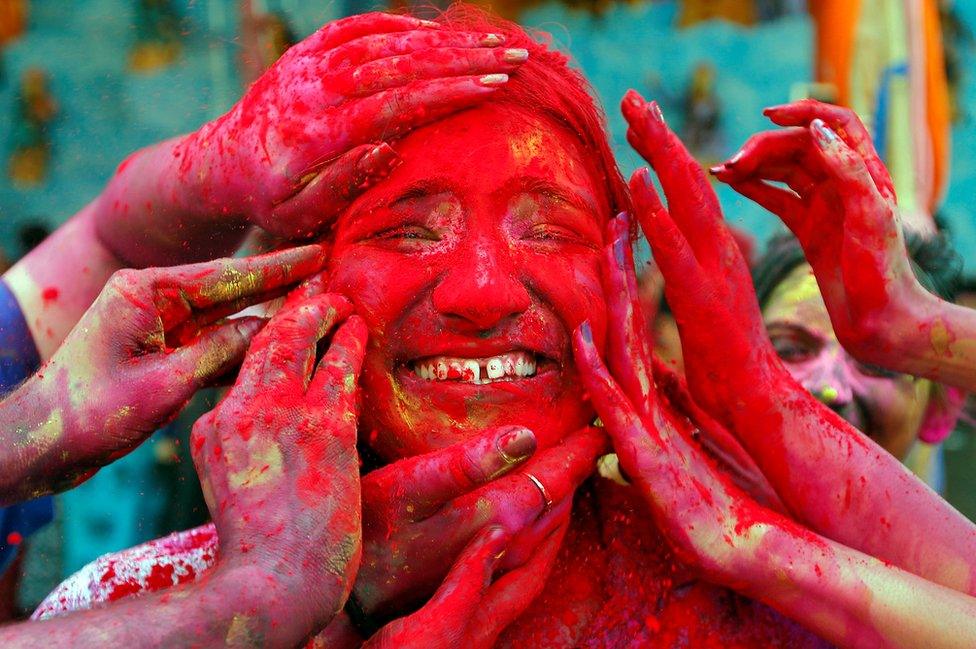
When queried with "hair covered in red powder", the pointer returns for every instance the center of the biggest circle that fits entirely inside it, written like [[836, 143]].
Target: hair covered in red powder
[[547, 85]]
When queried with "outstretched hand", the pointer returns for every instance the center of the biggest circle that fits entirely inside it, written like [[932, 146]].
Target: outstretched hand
[[840, 204], [148, 343]]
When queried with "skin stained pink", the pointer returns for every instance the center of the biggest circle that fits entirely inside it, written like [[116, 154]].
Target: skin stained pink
[[499, 254]]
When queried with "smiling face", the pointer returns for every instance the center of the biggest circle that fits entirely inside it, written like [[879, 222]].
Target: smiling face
[[472, 264], [887, 406]]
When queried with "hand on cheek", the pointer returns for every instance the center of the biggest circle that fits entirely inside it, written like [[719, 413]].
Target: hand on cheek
[[277, 457]]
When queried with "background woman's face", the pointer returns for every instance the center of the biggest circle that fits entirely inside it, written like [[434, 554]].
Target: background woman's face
[[887, 406], [472, 264]]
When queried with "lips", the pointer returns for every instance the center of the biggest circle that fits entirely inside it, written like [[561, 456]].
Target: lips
[[508, 366]]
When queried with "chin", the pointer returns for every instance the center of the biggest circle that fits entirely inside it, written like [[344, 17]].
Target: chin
[[405, 414]]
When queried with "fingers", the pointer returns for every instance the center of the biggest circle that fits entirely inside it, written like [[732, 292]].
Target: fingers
[[205, 285], [215, 351], [847, 125], [342, 31], [435, 63], [840, 161], [314, 285], [691, 201], [391, 113], [784, 204], [328, 188], [628, 351], [784, 156], [444, 620], [513, 592], [516, 500], [672, 253], [471, 575], [428, 481], [380, 47], [337, 375], [612, 405], [180, 373], [284, 351], [871, 230]]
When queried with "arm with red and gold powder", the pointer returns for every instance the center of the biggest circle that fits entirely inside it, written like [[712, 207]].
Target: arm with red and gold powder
[[828, 474], [289, 522], [156, 332]]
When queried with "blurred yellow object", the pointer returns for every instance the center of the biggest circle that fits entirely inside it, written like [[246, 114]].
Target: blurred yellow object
[[737, 11]]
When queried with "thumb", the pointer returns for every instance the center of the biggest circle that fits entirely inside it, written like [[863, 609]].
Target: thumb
[[215, 351]]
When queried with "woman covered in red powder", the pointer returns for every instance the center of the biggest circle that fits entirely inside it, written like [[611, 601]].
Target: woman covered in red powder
[[493, 281]]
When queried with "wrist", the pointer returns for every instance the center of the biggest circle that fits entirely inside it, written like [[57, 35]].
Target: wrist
[[156, 210]]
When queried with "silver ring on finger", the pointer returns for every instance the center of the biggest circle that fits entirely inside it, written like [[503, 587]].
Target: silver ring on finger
[[547, 499]]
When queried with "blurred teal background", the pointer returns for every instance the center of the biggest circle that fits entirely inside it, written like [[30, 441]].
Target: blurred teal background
[[106, 111]]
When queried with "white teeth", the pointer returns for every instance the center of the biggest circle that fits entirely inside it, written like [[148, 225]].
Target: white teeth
[[471, 371], [508, 362], [495, 368], [504, 367]]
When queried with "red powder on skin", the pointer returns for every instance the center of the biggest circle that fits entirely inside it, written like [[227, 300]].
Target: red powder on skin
[[50, 294], [14, 538]]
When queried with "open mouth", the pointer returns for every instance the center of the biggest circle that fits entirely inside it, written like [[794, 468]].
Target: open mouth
[[510, 366]]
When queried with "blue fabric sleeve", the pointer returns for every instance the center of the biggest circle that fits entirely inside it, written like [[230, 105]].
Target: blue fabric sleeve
[[18, 360]]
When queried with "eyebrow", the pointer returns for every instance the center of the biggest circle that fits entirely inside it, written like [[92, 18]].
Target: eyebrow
[[419, 189], [536, 185], [795, 326]]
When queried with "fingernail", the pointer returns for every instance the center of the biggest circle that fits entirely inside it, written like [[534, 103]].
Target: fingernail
[[716, 170], [586, 332], [734, 160], [494, 79], [429, 23], [618, 227], [380, 160], [823, 134], [655, 111], [516, 55], [496, 532], [624, 220], [248, 327], [619, 252], [646, 174], [633, 98], [516, 445], [490, 40]]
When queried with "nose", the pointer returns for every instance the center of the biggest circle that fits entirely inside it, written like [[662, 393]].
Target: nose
[[830, 382], [482, 289]]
